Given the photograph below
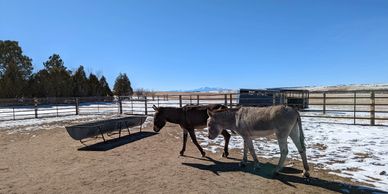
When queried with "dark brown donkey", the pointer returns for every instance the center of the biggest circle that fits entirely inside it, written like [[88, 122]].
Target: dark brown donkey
[[189, 117]]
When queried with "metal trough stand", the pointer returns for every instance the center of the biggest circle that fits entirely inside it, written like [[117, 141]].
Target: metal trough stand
[[94, 129]]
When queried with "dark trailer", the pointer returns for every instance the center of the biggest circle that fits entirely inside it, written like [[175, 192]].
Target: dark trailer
[[268, 97]]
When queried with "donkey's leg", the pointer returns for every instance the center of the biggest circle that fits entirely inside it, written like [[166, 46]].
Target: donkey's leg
[[244, 161], [194, 139], [184, 142], [256, 164], [283, 152], [226, 138], [297, 139]]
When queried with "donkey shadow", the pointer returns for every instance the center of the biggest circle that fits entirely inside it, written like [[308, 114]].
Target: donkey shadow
[[285, 176]]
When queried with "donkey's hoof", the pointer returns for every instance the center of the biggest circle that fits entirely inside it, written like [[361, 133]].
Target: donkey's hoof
[[203, 154], [275, 174], [225, 154], [182, 153], [256, 167], [243, 164], [306, 174]]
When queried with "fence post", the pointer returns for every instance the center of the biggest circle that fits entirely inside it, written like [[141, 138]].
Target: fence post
[[36, 107], [13, 112], [180, 101], [354, 107], [76, 106], [372, 108], [226, 99], [230, 100], [273, 98], [197, 99], [190, 99], [324, 102], [283, 97], [280, 95], [145, 105], [131, 104], [120, 106]]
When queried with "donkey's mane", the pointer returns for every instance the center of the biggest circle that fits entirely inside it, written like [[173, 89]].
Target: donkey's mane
[[226, 114]]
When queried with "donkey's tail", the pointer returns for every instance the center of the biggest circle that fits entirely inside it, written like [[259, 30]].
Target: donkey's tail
[[301, 134]]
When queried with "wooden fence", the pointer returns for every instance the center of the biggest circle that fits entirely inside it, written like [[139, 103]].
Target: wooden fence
[[359, 107], [355, 107]]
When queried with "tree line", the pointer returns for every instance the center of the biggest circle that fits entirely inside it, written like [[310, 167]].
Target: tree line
[[54, 80]]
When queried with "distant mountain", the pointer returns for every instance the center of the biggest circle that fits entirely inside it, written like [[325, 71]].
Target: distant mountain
[[208, 89], [342, 87], [205, 89]]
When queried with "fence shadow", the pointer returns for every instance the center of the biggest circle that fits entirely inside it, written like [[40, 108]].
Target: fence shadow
[[117, 142], [285, 177]]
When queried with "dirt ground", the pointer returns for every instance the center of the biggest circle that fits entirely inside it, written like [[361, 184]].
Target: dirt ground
[[49, 161]]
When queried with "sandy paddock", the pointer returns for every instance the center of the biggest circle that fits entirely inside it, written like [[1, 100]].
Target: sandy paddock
[[49, 161]]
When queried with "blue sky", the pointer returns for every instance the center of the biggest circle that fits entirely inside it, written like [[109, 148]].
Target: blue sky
[[168, 45]]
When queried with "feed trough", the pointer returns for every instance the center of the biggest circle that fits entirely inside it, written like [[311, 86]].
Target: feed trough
[[93, 129]]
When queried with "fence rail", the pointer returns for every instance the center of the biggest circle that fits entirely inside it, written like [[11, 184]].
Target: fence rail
[[355, 107]]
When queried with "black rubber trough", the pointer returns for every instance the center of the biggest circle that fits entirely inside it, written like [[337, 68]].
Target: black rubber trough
[[93, 129]]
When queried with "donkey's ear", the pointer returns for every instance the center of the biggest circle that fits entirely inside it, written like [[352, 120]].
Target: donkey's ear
[[155, 108], [210, 113], [223, 107]]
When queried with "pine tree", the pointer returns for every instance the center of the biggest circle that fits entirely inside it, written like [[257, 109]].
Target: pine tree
[[15, 70], [38, 84], [57, 82], [94, 86], [80, 83], [105, 90], [122, 86]]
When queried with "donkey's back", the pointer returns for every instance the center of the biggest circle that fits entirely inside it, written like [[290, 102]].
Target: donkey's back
[[196, 115], [266, 118]]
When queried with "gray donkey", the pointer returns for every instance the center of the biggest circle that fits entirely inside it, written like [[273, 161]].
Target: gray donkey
[[253, 122]]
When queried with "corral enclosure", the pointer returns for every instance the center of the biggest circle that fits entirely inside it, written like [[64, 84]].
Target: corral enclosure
[[354, 107], [333, 141]]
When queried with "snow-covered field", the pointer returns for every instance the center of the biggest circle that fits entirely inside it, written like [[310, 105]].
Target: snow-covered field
[[354, 151], [129, 107], [346, 111], [27, 125]]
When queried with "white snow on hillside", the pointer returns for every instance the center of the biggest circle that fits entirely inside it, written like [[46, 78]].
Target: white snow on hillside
[[346, 87]]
